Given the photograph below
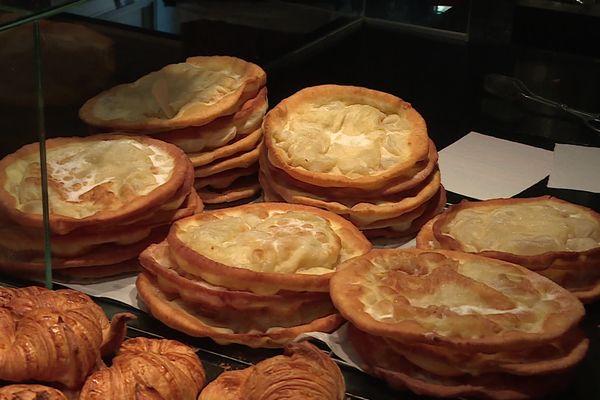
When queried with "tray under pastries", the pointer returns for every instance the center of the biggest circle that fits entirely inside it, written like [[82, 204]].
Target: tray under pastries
[[191, 93], [345, 136], [550, 236]]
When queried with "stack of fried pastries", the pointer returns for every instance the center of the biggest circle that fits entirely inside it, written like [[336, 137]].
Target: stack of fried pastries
[[447, 324], [552, 237], [109, 196], [302, 372], [357, 152], [256, 274], [211, 107]]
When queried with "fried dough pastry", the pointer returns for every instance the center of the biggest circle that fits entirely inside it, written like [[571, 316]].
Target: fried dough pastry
[[148, 369], [191, 93], [460, 300], [243, 144], [345, 136], [553, 237], [30, 392], [302, 372], [53, 336], [89, 183], [265, 247]]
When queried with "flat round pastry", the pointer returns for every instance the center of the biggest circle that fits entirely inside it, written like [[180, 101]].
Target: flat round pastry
[[358, 210], [236, 161], [243, 144], [456, 299], [302, 372], [535, 232], [30, 392], [224, 179], [265, 247], [191, 93], [260, 311], [148, 369], [380, 359], [194, 139], [244, 188], [175, 314], [89, 182], [345, 136]]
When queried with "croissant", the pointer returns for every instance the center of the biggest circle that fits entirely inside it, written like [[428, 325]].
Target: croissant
[[30, 392], [148, 369], [53, 336], [303, 372]]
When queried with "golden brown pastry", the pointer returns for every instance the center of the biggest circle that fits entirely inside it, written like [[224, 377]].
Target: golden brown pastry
[[53, 336], [148, 369], [30, 392], [303, 372], [191, 93], [553, 237]]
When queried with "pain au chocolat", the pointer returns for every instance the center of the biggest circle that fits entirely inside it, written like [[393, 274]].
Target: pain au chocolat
[[270, 262], [360, 153], [447, 323], [302, 372], [110, 196], [553, 237]]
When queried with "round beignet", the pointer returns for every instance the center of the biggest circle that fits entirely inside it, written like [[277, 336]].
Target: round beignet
[[452, 298], [191, 93], [345, 136], [89, 181], [265, 247]]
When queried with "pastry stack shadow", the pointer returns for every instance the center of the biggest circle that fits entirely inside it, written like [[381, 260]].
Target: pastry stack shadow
[[103, 212], [256, 274], [360, 153], [210, 107]]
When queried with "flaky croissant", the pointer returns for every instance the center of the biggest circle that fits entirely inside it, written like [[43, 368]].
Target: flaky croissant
[[53, 336], [148, 369], [303, 372], [30, 392]]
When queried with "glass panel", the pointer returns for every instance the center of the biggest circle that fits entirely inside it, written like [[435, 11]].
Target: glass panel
[[17, 12]]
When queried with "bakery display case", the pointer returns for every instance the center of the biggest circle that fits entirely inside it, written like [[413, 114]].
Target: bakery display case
[[210, 119]]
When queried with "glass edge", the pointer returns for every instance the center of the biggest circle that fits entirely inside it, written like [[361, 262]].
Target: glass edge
[[39, 15]]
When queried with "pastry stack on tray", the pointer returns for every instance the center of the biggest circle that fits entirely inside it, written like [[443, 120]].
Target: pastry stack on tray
[[110, 196], [211, 107], [552, 237], [451, 324], [256, 274], [360, 153]]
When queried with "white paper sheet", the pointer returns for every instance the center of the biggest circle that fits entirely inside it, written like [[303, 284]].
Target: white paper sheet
[[484, 167], [575, 167], [121, 289]]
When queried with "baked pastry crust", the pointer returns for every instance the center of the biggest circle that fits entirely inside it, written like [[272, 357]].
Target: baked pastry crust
[[53, 336], [191, 93], [240, 160], [30, 392], [345, 136], [224, 179], [486, 304], [243, 144], [265, 247], [223, 305], [148, 369], [302, 372], [244, 188], [223, 130], [88, 183], [175, 314]]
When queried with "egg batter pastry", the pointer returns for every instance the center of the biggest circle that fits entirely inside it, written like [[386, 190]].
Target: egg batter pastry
[[265, 247], [89, 181], [345, 136], [224, 179], [191, 93], [243, 144], [239, 160], [550, 236], [223, 130], [174, 313], [244, 188], [454, 299]]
